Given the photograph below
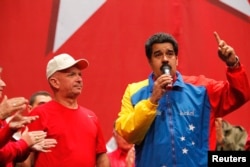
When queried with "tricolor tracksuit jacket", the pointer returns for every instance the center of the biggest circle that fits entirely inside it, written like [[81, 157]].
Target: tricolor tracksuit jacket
[[179, 131]]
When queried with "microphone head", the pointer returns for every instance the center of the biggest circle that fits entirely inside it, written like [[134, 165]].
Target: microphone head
[[165, 69]]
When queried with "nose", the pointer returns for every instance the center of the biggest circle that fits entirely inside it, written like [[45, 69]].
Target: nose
[[79, 78], [2, 83], [165, 59]]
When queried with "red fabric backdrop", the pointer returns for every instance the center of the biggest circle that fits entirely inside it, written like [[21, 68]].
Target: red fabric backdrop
[[112, 39]]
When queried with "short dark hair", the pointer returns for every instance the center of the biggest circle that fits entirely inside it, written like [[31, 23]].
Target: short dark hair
[[160, 38], [33, 96]]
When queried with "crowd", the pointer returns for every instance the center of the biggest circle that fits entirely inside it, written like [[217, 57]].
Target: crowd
[[168, 119]]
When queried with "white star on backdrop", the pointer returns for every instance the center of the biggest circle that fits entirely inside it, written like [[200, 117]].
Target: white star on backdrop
[[71, 16]]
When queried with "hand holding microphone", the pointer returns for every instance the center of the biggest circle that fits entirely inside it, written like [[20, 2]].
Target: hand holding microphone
[[162, 84]]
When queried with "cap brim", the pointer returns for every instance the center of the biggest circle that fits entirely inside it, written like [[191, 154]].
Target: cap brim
[[82, 63]]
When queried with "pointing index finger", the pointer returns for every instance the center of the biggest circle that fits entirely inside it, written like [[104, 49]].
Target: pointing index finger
[[217, 37]]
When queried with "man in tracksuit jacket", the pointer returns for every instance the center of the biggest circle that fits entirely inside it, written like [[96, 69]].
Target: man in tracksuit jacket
[[170, 117]]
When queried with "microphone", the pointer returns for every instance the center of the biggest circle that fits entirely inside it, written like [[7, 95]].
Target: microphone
[[165, 69]]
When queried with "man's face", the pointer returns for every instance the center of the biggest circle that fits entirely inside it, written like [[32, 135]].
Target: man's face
[[163, 53], [69, 82], [41, 99]]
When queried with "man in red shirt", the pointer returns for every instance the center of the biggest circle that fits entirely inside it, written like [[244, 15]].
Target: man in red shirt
[[79, 137]]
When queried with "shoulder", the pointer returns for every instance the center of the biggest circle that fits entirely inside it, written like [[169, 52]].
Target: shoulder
[[201, 80], [43, 109], [135, 86], [87, 112], [197, 80]]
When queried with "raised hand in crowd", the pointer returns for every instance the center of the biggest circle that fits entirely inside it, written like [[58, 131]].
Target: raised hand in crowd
[[10, 106], [18, 121]]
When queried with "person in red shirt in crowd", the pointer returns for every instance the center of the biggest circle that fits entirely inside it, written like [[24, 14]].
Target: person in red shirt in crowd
[[80, 141], [9, 107], [124, 154], [12, 121], [38, 98]]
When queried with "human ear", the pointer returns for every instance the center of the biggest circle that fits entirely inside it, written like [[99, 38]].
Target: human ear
[[54, 82]]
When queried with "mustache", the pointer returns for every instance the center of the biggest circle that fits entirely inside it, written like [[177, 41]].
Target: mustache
[[164, 64]]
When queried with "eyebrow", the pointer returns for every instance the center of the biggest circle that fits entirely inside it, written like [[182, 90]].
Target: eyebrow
[[158, 51]]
